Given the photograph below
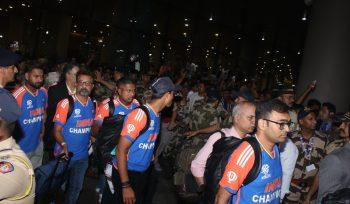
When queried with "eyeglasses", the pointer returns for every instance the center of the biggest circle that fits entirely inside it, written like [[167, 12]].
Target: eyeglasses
[[282, 124], [85, 83]]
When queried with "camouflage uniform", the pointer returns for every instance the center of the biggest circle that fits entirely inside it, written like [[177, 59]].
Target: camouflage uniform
[[335, 142], [225, 117], [202, 116], [311, 152], [170, 152], [143, 93]]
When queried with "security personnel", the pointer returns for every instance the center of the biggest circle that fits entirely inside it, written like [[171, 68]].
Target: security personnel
[[17, 182]]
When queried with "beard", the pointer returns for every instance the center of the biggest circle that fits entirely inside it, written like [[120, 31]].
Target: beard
[[36, 85], [84, 92]]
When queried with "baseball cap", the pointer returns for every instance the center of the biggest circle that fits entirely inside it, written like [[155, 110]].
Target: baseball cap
[[212, 95], [344, 117], [8, 58], [303, 112], [244, 94], [9, 110], [162, 85], [283, 89]]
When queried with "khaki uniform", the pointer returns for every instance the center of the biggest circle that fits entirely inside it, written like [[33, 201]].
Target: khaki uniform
[[311, 152], [17, 182]]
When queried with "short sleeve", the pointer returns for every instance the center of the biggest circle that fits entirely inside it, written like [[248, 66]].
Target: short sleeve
[[133, 124], [61, 112], [101, 113], [238, 167]]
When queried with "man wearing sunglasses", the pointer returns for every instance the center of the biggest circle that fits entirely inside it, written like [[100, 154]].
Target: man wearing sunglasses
[[311, 145], [273, 123]]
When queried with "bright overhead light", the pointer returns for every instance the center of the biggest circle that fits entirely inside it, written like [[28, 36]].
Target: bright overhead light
[[216, 34], [155, 25]]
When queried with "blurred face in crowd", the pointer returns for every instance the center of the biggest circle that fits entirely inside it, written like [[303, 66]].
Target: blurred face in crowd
[[324, 113], [8, 73], [146, 78], [126, 93], [85, 84], [308, 122], [117, 75], [344, 129], [287, 99], [71, 76], [35, 78], [245, 119], [274, 132], [201, 88]]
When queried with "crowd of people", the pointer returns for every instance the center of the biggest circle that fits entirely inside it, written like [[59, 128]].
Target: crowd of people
[[129, 124]]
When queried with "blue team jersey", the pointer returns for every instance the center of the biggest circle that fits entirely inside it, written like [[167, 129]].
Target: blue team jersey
[[77, 128], [32, 107], [266, 188], [141, 150], [119, 109]]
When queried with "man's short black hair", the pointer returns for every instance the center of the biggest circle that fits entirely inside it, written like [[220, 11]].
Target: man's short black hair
[[33, 65], [68, 67], [123, 81], [85, 73], [330, 106], [313, 102], [264, 109]]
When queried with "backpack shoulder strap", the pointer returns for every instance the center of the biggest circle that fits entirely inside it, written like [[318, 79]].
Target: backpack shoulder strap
[[145, 109], [71, 106], [254, 172], [111, 106], [222, 134]]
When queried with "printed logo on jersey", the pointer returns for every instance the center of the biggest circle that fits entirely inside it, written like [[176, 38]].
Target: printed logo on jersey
[[231, 176], [77, 113], [265, 170], [29, 104], [131, 128]]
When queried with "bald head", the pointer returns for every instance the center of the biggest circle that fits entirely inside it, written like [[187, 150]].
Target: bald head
[[243, 115]]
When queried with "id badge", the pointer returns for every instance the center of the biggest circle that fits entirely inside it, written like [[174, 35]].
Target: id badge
[[310, 168]]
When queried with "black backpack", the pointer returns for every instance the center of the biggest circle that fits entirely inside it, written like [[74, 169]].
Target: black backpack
[[109, 133], [216, 164]]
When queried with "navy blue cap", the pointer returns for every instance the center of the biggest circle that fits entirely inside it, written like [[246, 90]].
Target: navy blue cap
[[303, 112], [8, 58], [244, 94], [213, 95], [162, 85], [9, 110]]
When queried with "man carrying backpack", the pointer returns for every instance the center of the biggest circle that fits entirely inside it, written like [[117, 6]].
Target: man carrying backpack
[[264, 186], [108, 125], [243, 115], [136, 144], [72, 131]]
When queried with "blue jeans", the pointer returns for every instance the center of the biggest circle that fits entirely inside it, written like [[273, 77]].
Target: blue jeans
[[76, 174]]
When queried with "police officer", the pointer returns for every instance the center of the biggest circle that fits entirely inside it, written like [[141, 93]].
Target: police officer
[[17, 182]]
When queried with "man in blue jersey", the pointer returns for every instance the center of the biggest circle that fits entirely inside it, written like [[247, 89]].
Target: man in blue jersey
[[136, 146], [72, 133], [32, 99], [273, 123]]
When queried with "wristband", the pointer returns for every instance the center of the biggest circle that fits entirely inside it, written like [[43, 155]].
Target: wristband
[[63, 143], [126, 184]]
